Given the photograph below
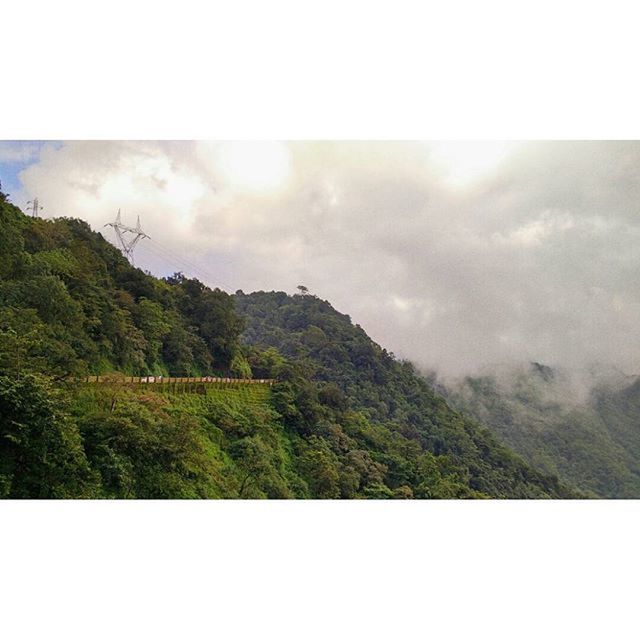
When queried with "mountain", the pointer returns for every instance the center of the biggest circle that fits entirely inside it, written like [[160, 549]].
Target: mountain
[[391, 396], [587, 432], [344, 420]]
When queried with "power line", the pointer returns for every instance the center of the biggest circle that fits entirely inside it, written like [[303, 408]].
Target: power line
[[180, 261], [129, 237]]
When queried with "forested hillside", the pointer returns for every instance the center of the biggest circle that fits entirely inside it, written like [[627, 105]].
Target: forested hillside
[[589, 439], [345, 419], [394, 403]]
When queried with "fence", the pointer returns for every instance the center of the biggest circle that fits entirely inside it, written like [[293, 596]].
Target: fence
[[170, 380]]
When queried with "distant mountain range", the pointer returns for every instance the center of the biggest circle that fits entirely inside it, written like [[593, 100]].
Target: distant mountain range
[[583, 428]]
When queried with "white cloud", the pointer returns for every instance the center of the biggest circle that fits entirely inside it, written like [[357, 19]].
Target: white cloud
[[534, 258], [536, 232]]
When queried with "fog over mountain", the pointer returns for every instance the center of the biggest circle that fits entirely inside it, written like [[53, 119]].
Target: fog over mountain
[[457, 256], [582, 426]]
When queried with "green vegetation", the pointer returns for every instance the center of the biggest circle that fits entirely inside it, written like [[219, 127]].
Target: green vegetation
[[591, 443], [345, 420], [380, 404]]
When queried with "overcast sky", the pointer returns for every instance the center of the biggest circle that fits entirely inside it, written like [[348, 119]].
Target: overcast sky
[[454, 255]]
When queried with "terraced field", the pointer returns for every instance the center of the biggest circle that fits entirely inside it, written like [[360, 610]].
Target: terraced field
[[247, 395]]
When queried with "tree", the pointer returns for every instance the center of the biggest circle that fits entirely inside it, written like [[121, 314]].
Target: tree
[[41, 453], [142, 450], [239, 367], [213, 313], [152, 320], [319, 467]]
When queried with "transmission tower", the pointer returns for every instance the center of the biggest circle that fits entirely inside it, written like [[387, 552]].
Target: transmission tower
[[34, 207], [127, 236]]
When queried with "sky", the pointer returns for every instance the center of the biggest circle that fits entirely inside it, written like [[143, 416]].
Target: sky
[[456, 255]]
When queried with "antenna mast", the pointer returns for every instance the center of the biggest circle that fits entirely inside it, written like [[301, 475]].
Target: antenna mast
[[34, 207], [127, 242]]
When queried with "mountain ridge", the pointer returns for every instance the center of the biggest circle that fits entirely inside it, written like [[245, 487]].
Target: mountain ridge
[[346, 419]]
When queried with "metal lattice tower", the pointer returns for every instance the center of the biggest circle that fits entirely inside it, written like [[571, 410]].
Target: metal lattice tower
[[34, 207], [127, 236]]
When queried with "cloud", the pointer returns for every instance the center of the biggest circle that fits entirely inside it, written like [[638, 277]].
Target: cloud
[[535, 232], [531, 253]]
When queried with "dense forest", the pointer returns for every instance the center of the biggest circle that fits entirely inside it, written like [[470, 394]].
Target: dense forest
[[345, 419], [589, 436]]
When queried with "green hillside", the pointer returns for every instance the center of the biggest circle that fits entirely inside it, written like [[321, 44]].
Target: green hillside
[[345, 419], [592, 443], [396, 403]]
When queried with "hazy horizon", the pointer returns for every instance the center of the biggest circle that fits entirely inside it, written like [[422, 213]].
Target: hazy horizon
[[455, 255]]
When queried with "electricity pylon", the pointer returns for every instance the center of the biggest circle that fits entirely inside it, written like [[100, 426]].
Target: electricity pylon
[[34, 207], [127, 242]]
